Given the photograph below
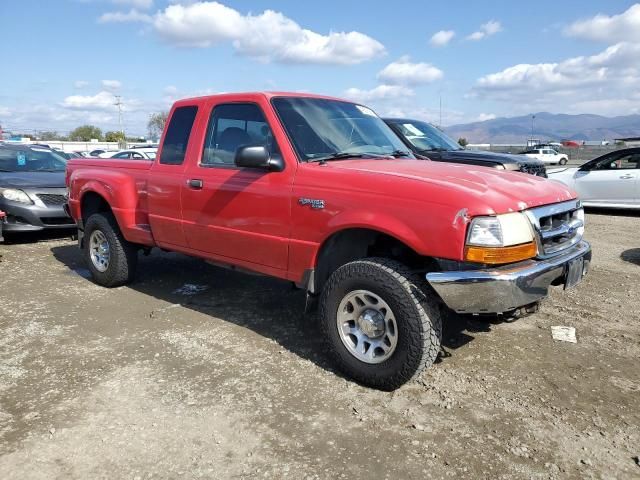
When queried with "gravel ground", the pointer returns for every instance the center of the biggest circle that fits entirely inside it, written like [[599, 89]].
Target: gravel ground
[[198, 372]]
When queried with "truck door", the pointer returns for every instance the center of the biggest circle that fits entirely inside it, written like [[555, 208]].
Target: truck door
[[232, 213], [165, 179]]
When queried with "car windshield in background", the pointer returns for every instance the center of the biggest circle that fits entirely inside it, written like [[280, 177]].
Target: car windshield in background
[[426, 137], [151, 155], [30, 160], [321, 128]]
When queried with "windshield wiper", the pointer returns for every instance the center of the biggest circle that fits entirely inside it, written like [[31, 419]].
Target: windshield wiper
[[434, 149], [399, 153], [343, 156]]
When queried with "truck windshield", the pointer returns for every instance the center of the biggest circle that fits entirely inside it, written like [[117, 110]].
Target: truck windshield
[[322, 128], [30, 160], [425, 137]]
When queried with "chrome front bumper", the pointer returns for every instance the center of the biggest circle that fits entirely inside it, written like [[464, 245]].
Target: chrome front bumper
[[503, 289]]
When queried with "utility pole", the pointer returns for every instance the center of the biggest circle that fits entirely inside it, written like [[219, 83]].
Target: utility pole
[[533, 119], [119, 105]]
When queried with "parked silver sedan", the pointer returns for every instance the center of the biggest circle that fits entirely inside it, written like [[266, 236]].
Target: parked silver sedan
[[612, 180]]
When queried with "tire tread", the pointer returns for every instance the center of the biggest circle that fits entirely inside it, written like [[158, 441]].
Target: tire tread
[[427, 331]]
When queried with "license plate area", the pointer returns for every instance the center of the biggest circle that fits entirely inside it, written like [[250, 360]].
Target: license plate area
[[574, 273]]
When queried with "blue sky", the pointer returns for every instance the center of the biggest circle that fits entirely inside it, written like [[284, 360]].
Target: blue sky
[[64, 60]]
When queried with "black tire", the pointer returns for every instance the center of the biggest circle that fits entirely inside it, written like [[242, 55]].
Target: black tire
[[123, 255], [563, 161], [418, 313]]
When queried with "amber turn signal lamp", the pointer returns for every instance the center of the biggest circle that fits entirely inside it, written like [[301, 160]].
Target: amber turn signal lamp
[[500, 255]]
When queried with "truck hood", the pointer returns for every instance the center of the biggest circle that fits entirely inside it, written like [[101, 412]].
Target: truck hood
[[32, 179], [479, 189], [503, 158]]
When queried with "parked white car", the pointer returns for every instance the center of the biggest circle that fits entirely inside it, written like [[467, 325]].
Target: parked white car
[[136, 154], [612, 180], [547, 155]]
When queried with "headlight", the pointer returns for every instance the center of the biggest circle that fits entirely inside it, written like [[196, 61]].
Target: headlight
[[501, 231], [16, 195], [501, 239]]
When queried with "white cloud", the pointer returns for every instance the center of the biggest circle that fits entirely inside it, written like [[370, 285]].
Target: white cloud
[[143, 4], [4, 111], [381, 92], [132, 15], [268, 37], [442, 38], [483, 117], [111, 84], [404, 72], [601, 81], [624, 27], [100, 101], [80, 84], [421, 112], [486, 30]]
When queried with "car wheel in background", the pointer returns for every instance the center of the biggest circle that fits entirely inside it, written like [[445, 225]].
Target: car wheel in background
[[381, 324], [563, 161], [111, 259]]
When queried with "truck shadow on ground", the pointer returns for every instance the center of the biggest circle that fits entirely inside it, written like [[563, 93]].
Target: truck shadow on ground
[[632, 256], [270, 307]]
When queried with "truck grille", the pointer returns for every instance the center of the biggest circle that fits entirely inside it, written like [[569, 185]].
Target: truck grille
[[52, 199], [534, 169], [558, 226]]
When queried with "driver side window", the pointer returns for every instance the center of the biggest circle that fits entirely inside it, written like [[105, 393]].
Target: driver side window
[[232, 126]]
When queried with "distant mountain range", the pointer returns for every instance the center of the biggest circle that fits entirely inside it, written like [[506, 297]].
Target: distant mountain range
[[548, 126]]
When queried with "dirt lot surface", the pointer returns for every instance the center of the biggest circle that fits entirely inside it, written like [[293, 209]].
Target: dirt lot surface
[[198, 372]]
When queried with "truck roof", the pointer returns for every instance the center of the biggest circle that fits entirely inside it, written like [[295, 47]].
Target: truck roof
[[265, 94]]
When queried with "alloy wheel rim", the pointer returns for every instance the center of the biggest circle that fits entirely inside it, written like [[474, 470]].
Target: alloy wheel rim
[[99, 250], [367, 326]]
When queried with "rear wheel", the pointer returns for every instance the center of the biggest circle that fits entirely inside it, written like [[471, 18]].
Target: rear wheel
[[111, 259], [382, 327]]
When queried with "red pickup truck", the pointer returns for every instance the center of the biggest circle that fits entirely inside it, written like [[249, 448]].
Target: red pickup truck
[[321, 192]]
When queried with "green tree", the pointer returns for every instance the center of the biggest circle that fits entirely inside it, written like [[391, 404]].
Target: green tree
[[463, 142], [114, 137], [156, 123], [50, 135], [85, 133]]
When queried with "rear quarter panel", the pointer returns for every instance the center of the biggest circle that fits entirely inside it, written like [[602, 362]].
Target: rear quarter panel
[[122, 184]]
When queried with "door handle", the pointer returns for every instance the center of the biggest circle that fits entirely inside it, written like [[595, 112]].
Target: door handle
[[627, 176], [195, 183]]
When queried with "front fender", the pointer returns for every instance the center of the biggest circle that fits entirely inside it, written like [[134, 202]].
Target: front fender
[[377, 221]]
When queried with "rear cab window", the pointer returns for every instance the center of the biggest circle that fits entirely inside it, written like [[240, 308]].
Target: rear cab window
[[176, 139]]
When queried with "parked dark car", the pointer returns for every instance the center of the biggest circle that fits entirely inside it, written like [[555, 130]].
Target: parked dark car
[[68, 155], [427, 141], [32, 189]]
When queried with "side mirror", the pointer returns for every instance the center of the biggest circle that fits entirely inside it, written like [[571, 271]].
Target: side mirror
[[257, 156]]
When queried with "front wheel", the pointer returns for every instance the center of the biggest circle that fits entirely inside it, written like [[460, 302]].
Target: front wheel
[[563, 161], [111, 259], [381, 327]]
